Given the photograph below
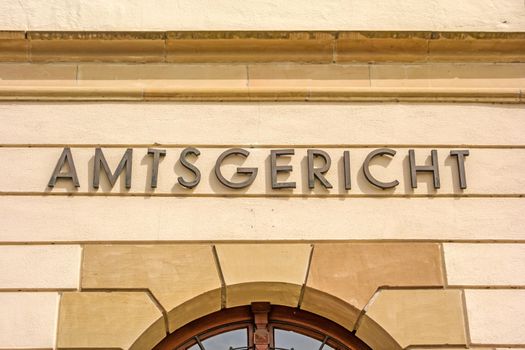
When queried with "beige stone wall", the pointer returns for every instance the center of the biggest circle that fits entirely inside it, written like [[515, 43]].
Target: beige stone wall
[[395, 295], [403, 268], [261, 124], [467, 15], [489, 172], [117, 268]]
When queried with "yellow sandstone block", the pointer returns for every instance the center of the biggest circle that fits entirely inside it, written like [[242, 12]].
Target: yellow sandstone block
[[415, 317], [109, 320], [175, 274]]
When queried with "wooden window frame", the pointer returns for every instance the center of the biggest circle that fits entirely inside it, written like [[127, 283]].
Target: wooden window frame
[[262, 317]]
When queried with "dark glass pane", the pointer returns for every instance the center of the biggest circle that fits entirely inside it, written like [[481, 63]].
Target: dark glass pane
[[223, 341], [289, 339]]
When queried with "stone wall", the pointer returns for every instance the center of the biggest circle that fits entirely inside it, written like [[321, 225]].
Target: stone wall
[[120, 267], [130, 295], [407, 267]]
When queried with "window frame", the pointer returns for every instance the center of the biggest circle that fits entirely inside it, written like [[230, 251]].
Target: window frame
[[281, 317]]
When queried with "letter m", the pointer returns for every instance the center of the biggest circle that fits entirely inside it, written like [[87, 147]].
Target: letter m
[[100, 162]]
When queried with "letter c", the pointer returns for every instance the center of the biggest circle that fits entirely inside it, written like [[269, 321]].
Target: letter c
[[366, 168]]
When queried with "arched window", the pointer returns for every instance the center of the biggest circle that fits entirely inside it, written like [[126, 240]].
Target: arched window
[[262, 326]]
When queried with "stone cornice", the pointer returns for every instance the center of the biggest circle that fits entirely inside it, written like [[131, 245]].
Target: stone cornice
[[151, 92], [221, 66], [264, 46]]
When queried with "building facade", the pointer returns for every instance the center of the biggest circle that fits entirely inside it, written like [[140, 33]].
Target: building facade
[[262, 174]]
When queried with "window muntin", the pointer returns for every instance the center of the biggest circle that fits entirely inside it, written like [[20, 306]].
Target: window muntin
[[237, 338], [289, 339]]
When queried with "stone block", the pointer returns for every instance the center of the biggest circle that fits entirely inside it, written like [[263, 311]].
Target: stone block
[[311, 75], [28, 320], [330, 307], [40, 266], [168, 75], [87, 47], [13, 47], [376, 47], [277, 293], [416, 317], [354, 271], [293, 47], [375, 336], [243, 263], [448, 75], [125, 320], [263, 272], [199, 306], [471, 48], [35, 71], [485, 264], [496, 316], [175, 274]]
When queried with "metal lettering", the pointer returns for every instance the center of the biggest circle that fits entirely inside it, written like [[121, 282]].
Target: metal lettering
[[460, 155], [125, 162], [414, 169], [275, 169], [190, 167], [252, 172], [156, 153], [318, 173], [65, 168], [368, 174], [65, 157], [346, 167]]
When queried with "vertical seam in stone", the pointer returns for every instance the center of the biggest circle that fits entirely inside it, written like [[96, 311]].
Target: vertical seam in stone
[[443, 265], [303, 287], [334, 48], [29, 48], [427, 58], [55, 340], [369, 75], [165, 51], [465, 318], [365, 308], [80, 267], [221, 276], [161, 309], [247, 75]]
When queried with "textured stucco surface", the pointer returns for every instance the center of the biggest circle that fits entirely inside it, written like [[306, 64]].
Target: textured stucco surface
[[496, 316], [28, 320], [128, 218], [466, 15], [485, 264], [290, 124], [40, 266]]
